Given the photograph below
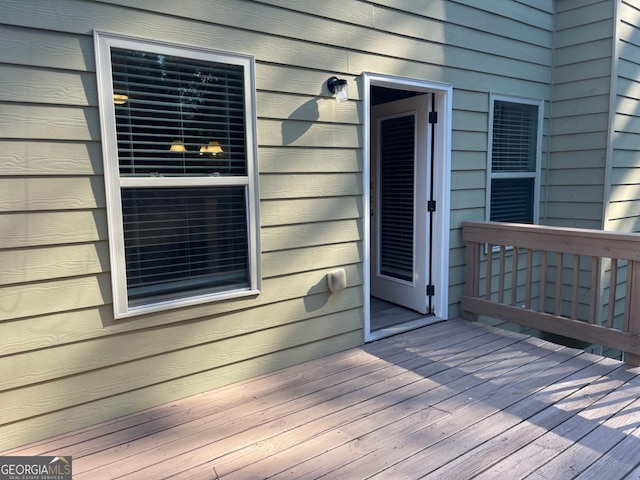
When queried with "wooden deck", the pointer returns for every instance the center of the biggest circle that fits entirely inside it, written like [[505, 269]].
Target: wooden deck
[[453, 400]]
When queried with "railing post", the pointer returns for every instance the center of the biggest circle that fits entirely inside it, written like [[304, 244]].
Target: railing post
[[633, 306], [472, 280]]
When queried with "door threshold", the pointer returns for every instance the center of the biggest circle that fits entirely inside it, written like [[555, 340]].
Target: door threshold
[[403, 327]]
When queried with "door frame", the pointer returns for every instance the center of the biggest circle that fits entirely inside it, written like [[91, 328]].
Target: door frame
[[443, 104]]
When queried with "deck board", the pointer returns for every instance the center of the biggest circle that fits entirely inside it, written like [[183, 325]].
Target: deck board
[[451, 400]]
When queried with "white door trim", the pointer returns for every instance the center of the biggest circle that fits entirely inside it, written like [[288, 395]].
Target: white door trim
[[442, 184]]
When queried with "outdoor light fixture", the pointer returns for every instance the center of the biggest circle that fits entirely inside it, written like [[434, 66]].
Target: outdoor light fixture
[[338, 87], [213, 148]]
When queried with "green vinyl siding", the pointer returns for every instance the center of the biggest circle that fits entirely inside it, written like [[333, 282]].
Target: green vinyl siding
[[624, 200], [579, 113], [69, 363], [623, 188]]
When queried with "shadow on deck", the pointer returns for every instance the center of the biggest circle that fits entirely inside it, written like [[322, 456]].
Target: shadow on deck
[[454, 400]]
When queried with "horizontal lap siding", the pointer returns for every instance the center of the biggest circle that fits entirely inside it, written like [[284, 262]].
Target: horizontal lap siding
[[625, 173], [70, 364], [468, 54], [580, 113], [624, 179]]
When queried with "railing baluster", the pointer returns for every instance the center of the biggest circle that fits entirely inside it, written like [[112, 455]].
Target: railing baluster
[[487, 293], [628, 299], [472, 284], [527, 301], [543, 282], [595, 287], [613, 285], [559, 268], [514, 275], [575, 287], [502, 274]]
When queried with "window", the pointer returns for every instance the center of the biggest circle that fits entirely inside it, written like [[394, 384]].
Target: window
[[178, 129], [515, 136]]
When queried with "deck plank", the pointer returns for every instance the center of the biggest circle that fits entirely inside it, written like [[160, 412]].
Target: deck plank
[[556, 440], [351, 393], [598, 443], [246, 422], [392, 429], [396, 410], [222, 398], [451, 400], [472, 412], [227, 397], [626, 456], [580, 393]]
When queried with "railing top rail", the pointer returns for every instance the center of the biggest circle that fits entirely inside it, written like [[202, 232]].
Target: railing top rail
[[581, 241]]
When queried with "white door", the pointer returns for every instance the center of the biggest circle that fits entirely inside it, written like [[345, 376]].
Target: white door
[[400, 174]]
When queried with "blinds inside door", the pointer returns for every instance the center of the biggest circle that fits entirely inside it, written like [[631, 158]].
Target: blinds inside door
[[397, 183]]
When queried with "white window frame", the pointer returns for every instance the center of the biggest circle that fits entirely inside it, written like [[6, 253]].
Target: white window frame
[[493, 97], [114, 182]]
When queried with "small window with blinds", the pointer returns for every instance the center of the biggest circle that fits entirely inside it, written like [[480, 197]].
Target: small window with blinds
[[178, 127], [514, 159]]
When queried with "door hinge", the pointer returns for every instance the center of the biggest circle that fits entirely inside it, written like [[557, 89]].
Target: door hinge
[[433, 117], [431, 206], [431, 290]]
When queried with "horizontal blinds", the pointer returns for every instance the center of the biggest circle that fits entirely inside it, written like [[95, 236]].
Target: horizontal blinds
[[515, 137], [178, 116], [178, 240], [397, 163], [512, 200]]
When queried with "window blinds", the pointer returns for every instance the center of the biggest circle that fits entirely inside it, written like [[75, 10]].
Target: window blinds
[[194, 106], [512, 200], [181, 240], [515, 127], [397, 164]]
